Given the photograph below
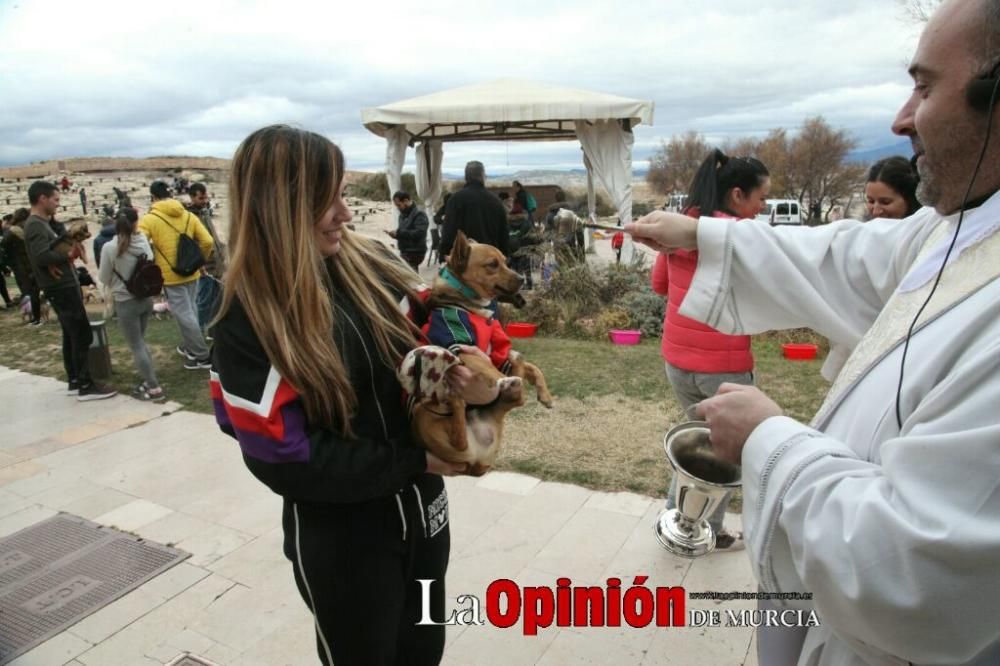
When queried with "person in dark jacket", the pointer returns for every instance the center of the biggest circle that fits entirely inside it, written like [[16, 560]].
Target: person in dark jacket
[[522, 237], [411, 234], [303, 376], [54, 273], [17, 258], [476, 211], [522, 203], [5, 267], [106, 233]]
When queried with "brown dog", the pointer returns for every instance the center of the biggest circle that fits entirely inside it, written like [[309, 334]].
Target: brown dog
[[475, 275], [70, 245]]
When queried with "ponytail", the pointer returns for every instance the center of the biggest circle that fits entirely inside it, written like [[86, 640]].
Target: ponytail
[[716, 176]]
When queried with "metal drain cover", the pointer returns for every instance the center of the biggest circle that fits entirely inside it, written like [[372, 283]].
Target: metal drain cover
[[56, 572]]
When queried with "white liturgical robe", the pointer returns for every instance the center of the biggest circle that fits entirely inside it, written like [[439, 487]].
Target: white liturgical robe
[[894, 531]]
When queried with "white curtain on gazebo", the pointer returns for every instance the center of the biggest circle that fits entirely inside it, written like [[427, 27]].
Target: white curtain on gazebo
[[395, 154], [607, 150], [429, 158]]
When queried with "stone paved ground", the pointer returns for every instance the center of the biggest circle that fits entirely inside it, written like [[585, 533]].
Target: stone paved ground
[[172, 477]]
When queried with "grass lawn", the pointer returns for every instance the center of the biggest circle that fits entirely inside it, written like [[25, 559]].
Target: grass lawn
[[613, 404]]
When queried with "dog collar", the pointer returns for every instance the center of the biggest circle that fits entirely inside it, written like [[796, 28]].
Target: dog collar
[[455, 283]]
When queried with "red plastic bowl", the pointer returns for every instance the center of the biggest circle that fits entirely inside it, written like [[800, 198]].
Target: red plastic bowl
[[518, 329], [620, 337], [799, 351]]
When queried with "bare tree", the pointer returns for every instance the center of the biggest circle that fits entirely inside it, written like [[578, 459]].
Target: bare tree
[[816, 166], [673, 165], [773, 151]]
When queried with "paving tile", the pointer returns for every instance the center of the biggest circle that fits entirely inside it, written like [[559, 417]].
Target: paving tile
[[133, 515], [260, 612], [290, 645], [66, 494], [473, 510], [628, 503], [515, 538], [508, 482], [99, 502], [172, 528], [175, 580], [10, 474], [221, 654], [11, 503], [114, 617], [212, 543], [131, 644], [59, 649], [257, 516], [184, 641], [26, 517], [256, 561], [582, 549]]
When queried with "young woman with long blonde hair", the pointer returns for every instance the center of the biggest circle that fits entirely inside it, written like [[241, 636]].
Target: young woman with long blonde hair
[[313, 321]]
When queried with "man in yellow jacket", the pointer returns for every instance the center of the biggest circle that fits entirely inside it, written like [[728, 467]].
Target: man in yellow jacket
[[163, 225]]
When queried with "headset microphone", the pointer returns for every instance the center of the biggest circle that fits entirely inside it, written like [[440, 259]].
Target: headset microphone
[[980, 92]]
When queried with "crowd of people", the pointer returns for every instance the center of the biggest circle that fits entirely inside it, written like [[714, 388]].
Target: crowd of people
[[180, 240]]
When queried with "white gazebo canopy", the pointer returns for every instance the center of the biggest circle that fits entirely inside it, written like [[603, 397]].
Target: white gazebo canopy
[[513, 110]]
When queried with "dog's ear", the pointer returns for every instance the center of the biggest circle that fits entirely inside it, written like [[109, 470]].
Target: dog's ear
[[458, 260]]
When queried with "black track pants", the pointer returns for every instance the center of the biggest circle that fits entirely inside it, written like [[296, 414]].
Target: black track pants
[[357, 565]]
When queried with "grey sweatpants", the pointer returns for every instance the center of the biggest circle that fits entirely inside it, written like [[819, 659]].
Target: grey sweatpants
[[133, 316], [183, 308], [691, 388]]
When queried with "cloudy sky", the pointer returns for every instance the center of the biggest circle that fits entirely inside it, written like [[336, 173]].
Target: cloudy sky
[[126, 78]]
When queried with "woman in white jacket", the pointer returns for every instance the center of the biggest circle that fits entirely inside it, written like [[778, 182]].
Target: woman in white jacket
[[118, 261]]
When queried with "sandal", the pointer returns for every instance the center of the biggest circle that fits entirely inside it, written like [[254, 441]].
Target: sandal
[[143, 392]]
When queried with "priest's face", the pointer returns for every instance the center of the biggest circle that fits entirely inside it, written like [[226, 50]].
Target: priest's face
[[946, 133]]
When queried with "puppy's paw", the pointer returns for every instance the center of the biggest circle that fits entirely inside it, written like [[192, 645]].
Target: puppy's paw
[[546, 400], [511, 388]]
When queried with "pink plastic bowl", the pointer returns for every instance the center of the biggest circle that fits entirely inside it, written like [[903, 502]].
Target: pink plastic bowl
[[625, 337], [517, 329]]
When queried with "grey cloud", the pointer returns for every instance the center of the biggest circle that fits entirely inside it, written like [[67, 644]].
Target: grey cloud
[[733, 66]]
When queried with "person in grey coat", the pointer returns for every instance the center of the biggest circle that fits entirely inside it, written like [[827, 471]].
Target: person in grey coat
[[118, 262]]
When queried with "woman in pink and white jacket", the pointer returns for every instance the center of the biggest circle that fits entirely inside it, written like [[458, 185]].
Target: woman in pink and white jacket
[[698, 359]]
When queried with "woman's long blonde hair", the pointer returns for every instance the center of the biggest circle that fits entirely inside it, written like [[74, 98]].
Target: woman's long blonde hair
[[282, 182]]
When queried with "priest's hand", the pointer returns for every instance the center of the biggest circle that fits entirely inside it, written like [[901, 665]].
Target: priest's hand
[[665, 232], [732, 415]]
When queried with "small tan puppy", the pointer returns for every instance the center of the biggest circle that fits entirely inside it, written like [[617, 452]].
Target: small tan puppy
[[460, 314]]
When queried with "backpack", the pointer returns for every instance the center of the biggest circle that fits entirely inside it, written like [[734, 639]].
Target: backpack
[[146, 279], [189, 256], [532, 204]]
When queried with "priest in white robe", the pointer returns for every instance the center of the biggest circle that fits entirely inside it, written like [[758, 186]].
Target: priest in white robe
[[894, 527]]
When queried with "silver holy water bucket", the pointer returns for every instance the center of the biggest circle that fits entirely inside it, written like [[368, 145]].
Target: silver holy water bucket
[[703, 482]]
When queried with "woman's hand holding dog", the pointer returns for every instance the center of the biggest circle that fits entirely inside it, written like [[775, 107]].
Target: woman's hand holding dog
[[467, 385], [665, 232]]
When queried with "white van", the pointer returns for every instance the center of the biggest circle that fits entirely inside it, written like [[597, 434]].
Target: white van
[[781, 211]]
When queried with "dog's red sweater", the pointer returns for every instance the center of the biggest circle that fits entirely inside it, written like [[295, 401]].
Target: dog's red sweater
[[451, 326]]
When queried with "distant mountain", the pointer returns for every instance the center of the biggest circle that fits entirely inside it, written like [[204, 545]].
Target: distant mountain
[[901, 147]]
